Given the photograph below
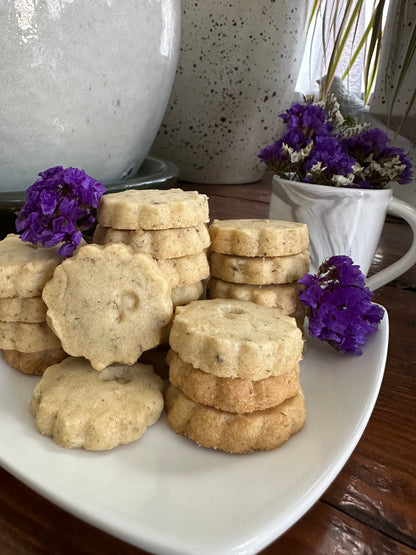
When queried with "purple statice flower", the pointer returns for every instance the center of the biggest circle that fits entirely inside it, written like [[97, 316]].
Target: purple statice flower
[[58, 207], [320, 146], [276, 156], [339, 305], [370, 149], [333, 158], [309, 118]]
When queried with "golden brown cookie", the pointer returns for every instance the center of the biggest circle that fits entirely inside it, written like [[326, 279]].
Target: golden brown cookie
[[27, 338], [233, 339], [232, 394], [284, 296], [186, 269], [152, 209], [234, 433], [33, 363], [22, 309], [257, 270], [78, 407], [254, 237], [25, 268], [160, 243], [108, 303]]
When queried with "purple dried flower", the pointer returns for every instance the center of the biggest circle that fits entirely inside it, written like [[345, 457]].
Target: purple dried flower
[[59, 206], [339, 305], [329, 152], [311, 119], [313, 149]]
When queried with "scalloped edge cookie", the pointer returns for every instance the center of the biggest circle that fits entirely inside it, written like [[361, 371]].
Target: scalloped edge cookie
[[25, 268], [236, 339], [159, 243], [258, 237], [232, 394], [152, 209], [33, 363], [257, 270], [284, 296], [78, 407], [235, 433], [31, 310], [108, 304]]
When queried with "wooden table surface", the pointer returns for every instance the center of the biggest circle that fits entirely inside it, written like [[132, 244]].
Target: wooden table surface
[[370, 508]]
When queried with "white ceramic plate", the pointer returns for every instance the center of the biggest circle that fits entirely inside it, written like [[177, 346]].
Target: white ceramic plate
[[168, 496]]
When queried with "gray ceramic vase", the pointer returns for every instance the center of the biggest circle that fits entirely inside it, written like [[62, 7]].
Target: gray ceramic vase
[[237, 71], [83, 83]]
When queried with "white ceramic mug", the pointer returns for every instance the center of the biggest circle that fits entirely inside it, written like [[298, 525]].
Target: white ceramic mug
[[344, 221]]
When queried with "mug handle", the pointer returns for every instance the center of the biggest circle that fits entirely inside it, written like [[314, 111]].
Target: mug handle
[[406, 211]]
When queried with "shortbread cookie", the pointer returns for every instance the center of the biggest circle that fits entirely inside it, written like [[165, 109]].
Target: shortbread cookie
[[232, 394], [152, 209], [235, 433], [284, 296], [160, 243], [185, 294], [22, 309], [182, 295], [108, 303], [27, 338], [258, 237], [78, 407], [33, 363], [25, 268], [257, 270], [186, 269], [236, 339]]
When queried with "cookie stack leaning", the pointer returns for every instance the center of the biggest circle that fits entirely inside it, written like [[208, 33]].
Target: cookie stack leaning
[[170, 225], [259, 260], [234, 375], [26, 341]]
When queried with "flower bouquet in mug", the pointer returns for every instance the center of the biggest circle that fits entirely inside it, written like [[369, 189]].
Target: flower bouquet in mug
[[321, 146], [333, 174]]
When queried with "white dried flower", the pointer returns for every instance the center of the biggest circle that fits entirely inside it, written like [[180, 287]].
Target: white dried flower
[[297, 156]]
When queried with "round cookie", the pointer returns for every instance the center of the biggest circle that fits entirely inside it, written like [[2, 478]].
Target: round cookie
[[233, 339], [160, 243], [186, 269], [234, 433], [255, 237], [284, 296], [78, 407], [27, 338], [258, 270], [25, 268], [152, 209], [232, 394], [33, 363], [22, 309], [108, 304]]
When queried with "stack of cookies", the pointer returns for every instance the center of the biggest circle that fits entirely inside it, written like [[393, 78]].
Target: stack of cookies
[[234, 375], [26, 341], [170, 225], [259, 261]]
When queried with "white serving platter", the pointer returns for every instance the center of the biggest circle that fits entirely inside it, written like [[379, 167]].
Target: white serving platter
[[168, 496]]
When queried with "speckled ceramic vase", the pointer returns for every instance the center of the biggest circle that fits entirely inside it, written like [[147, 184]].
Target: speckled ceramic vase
[[237, 71], [83, 83]]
